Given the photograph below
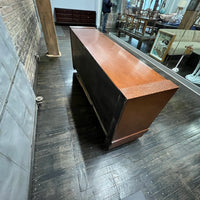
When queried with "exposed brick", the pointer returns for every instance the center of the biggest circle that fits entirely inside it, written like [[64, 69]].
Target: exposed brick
[[21, 21]]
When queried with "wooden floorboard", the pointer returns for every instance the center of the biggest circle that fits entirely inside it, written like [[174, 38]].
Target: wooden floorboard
[[71, 161]]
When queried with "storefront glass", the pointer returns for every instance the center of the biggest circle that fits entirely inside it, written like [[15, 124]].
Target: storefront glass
[[166, 30]]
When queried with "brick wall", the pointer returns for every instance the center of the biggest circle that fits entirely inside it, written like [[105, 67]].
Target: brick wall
[[21, 21]]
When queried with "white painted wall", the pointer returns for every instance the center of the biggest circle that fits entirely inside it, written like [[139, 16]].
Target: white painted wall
[[93, 5], [172, 5], [98, 12], [74, 4]]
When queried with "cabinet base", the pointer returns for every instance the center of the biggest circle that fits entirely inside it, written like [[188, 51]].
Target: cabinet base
[[126, 139]]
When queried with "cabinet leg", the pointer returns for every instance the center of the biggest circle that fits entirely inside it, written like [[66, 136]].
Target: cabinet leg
[[139, 44], [118, 34]]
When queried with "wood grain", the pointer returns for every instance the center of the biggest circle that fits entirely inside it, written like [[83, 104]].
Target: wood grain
[[122, 68], [48, 27]]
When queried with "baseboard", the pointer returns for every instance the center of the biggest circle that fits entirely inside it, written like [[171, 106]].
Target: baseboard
[[35, 79], [32, 154]]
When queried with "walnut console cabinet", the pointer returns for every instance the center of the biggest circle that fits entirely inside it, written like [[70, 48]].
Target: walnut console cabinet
[[75, 17], [125, 93]]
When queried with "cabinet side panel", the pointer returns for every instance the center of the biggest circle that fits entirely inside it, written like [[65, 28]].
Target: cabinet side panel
[[139, 113]]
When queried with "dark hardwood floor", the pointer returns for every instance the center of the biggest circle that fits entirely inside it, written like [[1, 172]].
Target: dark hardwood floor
[[71, 161]]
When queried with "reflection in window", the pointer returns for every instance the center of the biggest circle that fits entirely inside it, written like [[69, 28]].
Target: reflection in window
[[166, 30]]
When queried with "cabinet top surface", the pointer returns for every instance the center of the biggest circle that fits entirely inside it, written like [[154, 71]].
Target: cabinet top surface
[[124, 69]]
